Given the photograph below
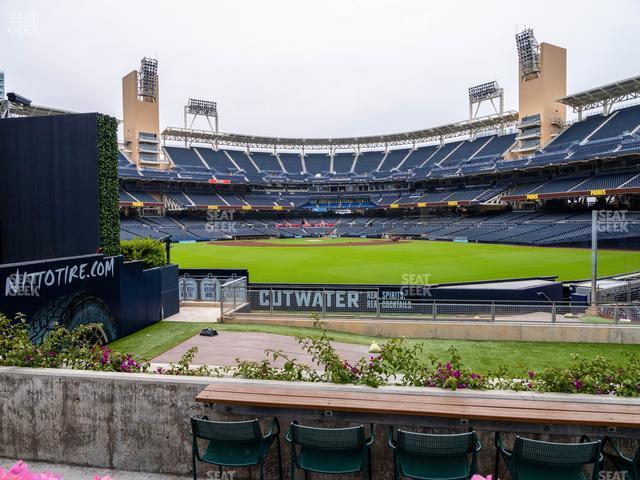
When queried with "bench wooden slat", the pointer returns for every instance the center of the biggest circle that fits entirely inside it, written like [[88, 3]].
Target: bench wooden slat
[[398, 407], [425, 399]]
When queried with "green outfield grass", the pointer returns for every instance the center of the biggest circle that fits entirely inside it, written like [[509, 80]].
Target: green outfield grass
[[407, 262], [481, 356]]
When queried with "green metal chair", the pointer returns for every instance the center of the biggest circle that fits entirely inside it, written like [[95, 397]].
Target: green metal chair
[[330, 450], [427, 456], [535, 459], [234, 444], [619, 460]]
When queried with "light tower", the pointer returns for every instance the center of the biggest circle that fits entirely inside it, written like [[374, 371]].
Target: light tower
[[486, 92], [542, 72], [141, 113], [197, 108]]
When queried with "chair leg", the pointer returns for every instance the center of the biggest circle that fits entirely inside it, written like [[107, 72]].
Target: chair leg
[[195, 472], [306, 475], [262, 470], [279, 457], [496, 465]]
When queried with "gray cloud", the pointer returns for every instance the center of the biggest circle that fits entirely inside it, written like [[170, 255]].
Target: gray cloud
[[304, 68]]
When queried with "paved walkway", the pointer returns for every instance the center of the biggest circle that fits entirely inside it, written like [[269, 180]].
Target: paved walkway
[[227, 346], [67, 472], [195, 314]]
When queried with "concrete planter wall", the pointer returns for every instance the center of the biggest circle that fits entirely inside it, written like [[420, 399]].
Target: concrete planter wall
[[136, 421]]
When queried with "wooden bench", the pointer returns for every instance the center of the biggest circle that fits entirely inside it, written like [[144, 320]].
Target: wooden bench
[[559, 414]]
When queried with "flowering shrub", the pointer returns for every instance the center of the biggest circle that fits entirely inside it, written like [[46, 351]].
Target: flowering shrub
[[183, 367], [20, 471], [64, 348], [396, 362], [399, 363]]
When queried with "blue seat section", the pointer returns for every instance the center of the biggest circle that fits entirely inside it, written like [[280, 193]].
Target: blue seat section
[[496, 148], [242, 161], [368, 161], [559, 185], [502, 165], [631, 144], [542, 159], [343, 162], [266, 161], [443, 152], [217, 160], [126, 169], [291, 162], [125, 197], [184, 158], [598, 148], [621, 122], [142, 196], [604, 181], [393, 159], [122, 161], [418, 157], [464, 152], [595, 138], [575, 133], [317, 163]]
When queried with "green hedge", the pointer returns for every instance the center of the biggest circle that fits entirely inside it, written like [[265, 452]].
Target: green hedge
[[150, 251], [108, 184]]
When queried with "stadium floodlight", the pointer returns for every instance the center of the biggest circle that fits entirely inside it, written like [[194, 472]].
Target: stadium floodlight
[[148, 79], [201, 107], [196, 107], [488, 91], [484, 91], [528, 52]]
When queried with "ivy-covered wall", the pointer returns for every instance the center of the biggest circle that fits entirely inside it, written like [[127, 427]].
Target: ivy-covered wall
[[108, 184]]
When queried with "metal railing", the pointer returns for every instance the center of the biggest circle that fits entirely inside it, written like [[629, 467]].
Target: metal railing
[[204, 288], [368, 304], [233, 296]]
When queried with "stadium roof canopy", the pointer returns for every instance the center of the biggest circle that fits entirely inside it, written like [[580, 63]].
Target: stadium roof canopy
[[605, 95], [20, 110], [466, 127]]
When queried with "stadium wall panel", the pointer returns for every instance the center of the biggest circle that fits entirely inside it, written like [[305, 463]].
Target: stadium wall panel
[[48, 187]]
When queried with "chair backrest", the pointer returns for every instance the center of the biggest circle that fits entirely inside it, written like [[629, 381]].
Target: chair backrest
[[439, 445], [245, 431], [328, 438], [555, 454]]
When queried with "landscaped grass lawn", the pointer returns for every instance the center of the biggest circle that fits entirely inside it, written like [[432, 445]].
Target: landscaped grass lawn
[[398, 263], [481, 356]]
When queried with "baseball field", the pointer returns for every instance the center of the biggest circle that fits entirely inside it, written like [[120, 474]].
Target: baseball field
[[352, 260]]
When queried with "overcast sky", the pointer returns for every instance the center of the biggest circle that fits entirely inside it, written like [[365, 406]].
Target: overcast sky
[[305, 67]]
